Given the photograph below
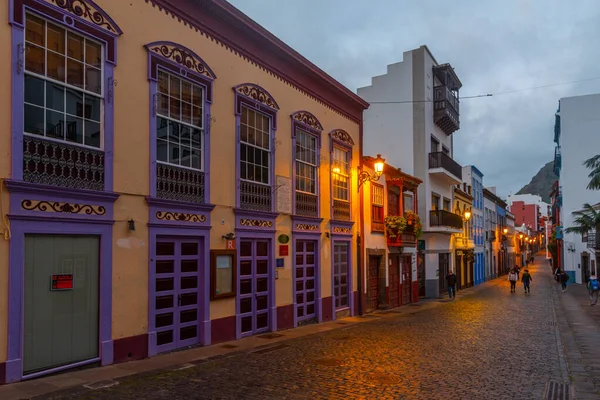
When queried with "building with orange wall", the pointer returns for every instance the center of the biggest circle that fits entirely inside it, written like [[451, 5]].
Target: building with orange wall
[[166, 187]]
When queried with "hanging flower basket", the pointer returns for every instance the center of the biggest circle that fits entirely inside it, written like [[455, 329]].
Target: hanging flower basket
[[413, 220], [394, 226]]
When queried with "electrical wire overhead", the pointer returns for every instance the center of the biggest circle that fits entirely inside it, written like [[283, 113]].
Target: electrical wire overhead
[[491, 94]]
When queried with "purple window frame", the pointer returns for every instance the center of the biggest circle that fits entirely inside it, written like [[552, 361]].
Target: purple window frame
[[68, 19], [176, 60], [335, 142], [271, 112], [339, 239], [311, 129]]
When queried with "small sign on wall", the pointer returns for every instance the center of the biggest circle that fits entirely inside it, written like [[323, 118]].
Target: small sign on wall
[[230, 245], [279, 263], [284, 250], [61, 282]]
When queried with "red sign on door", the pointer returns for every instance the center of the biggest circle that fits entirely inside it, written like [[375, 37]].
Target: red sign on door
[[283, 250], [61, 282], [230, 245]]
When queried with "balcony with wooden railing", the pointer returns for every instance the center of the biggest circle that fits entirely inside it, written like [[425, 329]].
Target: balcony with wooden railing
[[407, 238]]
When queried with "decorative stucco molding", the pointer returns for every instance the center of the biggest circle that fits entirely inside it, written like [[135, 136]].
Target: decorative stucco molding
[[340, 229], [89, 11], [342, 136], [176, 216], [183, 56], [62, 207], [257, 94], [307, 119], [307, 227], [256, 223]]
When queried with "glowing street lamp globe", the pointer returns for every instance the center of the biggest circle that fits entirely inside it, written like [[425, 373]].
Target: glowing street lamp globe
[[378, 165]]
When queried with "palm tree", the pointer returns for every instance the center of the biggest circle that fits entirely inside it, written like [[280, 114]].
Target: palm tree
[[587, 220], [593, 164]]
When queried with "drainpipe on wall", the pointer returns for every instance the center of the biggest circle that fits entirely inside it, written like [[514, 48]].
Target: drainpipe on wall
[[359, 257]]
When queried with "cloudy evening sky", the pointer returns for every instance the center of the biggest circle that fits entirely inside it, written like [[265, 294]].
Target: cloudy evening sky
[[494, 46]]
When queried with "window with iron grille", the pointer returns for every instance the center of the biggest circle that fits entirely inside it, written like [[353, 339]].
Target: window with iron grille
[[255, 147], [341, 184], [306, 174], [63, 84], [341, 174], [179, 125], [63, 107]]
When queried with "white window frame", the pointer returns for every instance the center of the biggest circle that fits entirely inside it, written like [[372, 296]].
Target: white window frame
[[313, 167], [269, 150], [66, 85], [344, 174], [179, 121]]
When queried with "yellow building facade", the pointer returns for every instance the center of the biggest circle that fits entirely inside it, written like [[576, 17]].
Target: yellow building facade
[[173, 175], [463, 243]]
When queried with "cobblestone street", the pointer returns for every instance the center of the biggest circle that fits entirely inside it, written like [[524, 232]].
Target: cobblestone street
[[487, 344]]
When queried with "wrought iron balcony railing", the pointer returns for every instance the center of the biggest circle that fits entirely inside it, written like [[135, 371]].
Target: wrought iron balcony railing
[[307, 205], [442, 160], [255, 196], [180, 184], [341, 210], [445, 218], [60, 164]]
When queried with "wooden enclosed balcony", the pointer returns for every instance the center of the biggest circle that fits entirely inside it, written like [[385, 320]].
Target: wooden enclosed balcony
[[446, 109]]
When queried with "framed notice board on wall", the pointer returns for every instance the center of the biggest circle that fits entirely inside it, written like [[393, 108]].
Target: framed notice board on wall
[[223, 274]]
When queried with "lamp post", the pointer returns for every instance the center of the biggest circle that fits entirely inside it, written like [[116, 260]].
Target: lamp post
[[365, 176]]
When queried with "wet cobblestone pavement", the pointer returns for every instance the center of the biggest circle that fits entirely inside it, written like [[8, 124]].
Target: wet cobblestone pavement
[[489, 344]]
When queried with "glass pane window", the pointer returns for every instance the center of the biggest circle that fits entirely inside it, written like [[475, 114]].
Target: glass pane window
[[341, 174], [306, 162], [63, 89], [255, 146], [179, 123], [377, 195]]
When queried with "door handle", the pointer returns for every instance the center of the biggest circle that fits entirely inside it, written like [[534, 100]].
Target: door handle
[[179, 300]]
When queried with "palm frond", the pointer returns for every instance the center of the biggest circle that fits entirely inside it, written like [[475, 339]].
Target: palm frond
[[594, 183], [593, 162], [577, 229]]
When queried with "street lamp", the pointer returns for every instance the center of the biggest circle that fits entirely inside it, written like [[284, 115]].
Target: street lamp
[[505, 230], [467, 215], [365, 176]]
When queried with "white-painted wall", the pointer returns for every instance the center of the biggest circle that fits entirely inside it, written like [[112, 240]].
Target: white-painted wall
[[401, 131], [579, 140]]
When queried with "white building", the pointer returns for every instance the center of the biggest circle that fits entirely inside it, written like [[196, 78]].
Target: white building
[[391, 276], [414, 111], [577, 139]]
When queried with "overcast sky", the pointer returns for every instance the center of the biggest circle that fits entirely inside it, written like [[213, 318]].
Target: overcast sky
[[494, 46]]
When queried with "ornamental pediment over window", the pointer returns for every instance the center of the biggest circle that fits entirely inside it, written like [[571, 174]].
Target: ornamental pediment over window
[[181, 56], [257, 94], [89, 12], [342, 136]]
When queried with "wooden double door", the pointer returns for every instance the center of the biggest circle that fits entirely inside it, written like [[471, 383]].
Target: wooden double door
[[400, 280]]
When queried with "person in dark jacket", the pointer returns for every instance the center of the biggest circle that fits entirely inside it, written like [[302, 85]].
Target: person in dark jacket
[[451, 281], [526, 279], [564, 277]]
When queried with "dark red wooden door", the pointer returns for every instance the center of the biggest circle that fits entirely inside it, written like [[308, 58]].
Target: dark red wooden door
[[406, 279], [394, 283], [373, 288]]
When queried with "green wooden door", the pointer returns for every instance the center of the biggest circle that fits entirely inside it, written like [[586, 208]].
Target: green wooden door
[[61, 326]]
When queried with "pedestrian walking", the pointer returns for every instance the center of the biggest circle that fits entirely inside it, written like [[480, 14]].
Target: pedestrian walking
[[593, 289], [526, 279], [451, 280], [513, 277], [557, 274], [564, 277]]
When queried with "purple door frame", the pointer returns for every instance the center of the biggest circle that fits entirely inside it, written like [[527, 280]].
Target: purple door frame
[[340, 239], [22, 227], [254, 293], [271, 277], [198, 233], [318, 301]]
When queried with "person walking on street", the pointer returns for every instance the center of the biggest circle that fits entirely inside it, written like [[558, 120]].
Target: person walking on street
[[526, 279], [557, 274], [593, 289], [513, 277], [451, 280], [564, 277]]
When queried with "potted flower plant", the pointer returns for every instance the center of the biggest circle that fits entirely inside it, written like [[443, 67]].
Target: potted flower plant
[[413, 221], [394, 226]]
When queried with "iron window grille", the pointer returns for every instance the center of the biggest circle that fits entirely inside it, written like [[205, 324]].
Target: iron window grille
[[255, 160], [63, 107]]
